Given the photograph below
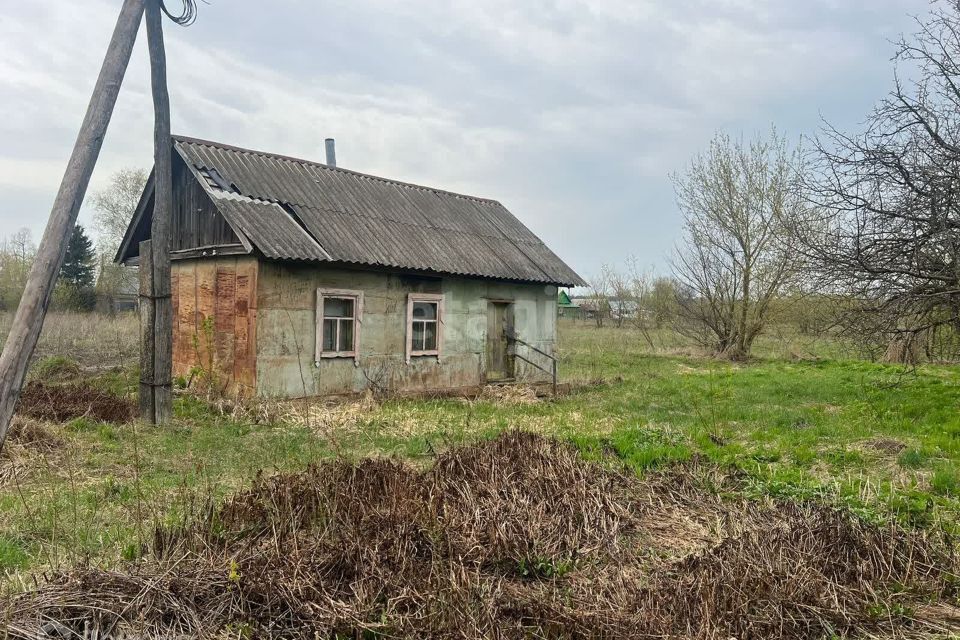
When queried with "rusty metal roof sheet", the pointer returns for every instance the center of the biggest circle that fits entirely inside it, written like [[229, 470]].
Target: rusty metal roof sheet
[[301, 210]]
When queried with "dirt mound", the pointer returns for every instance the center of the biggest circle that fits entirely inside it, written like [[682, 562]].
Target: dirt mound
[[513, 538], [59, 403]]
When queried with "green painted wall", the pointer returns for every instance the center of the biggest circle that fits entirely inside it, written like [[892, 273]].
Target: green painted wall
[[286, 331]]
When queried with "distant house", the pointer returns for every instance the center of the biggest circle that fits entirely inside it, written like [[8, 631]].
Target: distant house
[[117, 290], [609, 307], [566, 308], [296, 278], [623, 308], [587, 307]]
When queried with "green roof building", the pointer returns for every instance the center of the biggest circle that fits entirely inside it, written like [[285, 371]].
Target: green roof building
[[565, 306]]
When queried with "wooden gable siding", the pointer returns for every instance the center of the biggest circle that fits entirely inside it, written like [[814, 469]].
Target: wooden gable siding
[[196, 221], [215, 320]]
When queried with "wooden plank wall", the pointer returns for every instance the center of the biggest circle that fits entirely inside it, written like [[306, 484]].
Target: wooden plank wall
[[196, 220], [215, 320]]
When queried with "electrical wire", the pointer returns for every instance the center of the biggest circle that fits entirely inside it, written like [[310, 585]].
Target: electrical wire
[[188, 13]]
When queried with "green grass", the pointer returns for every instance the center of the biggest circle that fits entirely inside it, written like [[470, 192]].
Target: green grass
[[882, 440], [55, 368]]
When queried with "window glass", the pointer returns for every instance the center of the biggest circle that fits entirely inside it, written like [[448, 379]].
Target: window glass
[[423, 330], [346, 335], [337, 308], [417, 336], [429, 336], [425, 310], [338, 327], [329, 334]]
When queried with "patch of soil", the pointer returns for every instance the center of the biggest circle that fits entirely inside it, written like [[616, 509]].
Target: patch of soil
[[517, 537], [59, 403]]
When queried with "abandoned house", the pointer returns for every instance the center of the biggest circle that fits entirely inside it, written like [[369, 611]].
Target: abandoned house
[[294, 278]]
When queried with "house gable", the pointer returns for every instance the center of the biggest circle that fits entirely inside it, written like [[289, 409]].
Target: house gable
[[197, 223]]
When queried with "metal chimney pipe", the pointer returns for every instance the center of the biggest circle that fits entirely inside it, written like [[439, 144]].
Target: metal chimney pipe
[[331, 152]]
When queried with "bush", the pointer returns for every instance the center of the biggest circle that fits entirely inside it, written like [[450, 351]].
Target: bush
[[70, 298]]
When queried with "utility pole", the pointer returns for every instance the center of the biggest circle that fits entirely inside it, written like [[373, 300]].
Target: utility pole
[[28, 320], [156, 371]]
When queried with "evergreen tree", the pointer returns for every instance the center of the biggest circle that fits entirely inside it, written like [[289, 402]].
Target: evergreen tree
[[78, 263]]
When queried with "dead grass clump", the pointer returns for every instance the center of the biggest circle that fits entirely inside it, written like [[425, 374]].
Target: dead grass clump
[[33, 434], [59, 403], [528, 504], [332, 415], [513, 538], [15, 462], [319, 414], [889, 446], [26, 441], [803, 571], [509, 394]]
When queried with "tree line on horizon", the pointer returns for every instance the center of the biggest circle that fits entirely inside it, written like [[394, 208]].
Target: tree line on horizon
[[88, 273]]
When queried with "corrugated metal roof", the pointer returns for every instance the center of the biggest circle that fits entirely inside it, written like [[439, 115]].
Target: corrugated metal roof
[[269, 227], [301, 210]]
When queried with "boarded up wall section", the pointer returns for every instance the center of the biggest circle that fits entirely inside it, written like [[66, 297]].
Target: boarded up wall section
[[214, 332]]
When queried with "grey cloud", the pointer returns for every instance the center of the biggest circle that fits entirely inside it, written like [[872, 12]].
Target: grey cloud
[[572, 113]]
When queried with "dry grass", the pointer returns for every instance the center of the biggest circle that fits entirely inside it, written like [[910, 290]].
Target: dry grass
[[27, 440], [94, 340], [513, 538], [327, 418], [509, 395]]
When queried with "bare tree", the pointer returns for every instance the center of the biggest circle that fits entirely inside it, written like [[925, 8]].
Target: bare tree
[[619, 302], [113, 209], [739, 202], [598, 298], [639, 287], [889, 200], [114, 206]]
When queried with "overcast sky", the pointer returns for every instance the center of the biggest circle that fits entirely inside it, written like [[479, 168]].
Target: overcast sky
[[573, 113]]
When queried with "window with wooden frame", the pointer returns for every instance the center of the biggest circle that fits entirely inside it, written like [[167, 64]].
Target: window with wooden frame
[[424, 324], [339, 315]]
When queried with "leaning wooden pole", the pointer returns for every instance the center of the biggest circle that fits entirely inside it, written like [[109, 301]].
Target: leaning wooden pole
[[28, 320], [161, 380]]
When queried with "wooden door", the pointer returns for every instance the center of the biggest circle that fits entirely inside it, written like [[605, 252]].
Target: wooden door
[[499, 352]]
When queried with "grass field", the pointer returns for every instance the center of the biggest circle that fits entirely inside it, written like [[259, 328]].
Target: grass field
[[804, 419]]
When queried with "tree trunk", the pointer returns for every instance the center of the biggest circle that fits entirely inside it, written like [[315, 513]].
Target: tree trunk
[[904, 349], [742, 342], [28, 321]]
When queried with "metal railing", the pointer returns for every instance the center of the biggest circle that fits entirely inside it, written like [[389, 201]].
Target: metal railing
[[551, 371]]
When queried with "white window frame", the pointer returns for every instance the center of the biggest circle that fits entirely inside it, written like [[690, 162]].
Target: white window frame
[[413, 298], [357, 297]]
